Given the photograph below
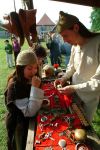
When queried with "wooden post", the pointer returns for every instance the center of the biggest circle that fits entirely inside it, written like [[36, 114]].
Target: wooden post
[[14, 5], [31, 135]]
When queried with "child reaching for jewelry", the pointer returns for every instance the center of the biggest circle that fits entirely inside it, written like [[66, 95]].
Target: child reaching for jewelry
[[23, 99]]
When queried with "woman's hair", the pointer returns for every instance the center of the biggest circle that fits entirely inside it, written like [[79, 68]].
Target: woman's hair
[[67, 21], [84, 32]]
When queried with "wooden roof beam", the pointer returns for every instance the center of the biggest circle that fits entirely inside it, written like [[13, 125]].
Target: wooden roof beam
[[92, 3]]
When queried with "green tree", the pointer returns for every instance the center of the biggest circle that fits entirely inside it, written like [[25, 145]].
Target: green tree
[[0, 26], [95, 19]]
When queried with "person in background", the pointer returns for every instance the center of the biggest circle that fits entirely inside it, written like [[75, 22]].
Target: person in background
[[23, 99], [9, 52], [39, 40], [66, 50], [41, 54], [53, 45], [16, 47], [84, 64]]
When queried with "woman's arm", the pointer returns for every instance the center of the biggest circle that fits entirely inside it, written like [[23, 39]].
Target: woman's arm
[[91, 87]]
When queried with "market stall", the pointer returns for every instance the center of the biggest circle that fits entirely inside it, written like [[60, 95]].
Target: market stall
[[60, 124]]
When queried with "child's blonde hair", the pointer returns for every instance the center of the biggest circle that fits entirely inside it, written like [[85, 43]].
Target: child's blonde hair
[[48, 71]]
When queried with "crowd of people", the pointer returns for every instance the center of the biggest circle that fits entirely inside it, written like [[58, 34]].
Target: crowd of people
[[24, 96], [58, 47]]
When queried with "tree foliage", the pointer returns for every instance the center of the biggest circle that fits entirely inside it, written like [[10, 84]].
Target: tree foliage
[[0, 26], [95, 19]]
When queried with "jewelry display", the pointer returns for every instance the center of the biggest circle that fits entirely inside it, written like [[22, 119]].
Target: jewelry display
[[59, 123]]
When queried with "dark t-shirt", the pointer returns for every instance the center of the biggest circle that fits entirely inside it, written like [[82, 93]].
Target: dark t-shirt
[[8, 49]]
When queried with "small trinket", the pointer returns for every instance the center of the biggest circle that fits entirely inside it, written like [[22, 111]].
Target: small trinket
[[56, 124], [37, 142], [48, 135], [80, 134], [62, 143], [51, 124], [48, 148], [42, 135], [46, 103], [69, 120], [63, 133], [44, 118], [59, 86], [81, 146]]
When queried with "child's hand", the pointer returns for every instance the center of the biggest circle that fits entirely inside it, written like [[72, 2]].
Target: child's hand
[[36, 81]]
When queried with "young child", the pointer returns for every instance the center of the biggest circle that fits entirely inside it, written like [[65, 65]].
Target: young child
[[8, 49], [41, 54], [49, 71], [16, 47], [23, 99]]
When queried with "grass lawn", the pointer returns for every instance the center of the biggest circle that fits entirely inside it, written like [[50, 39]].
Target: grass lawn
[[4, 72]]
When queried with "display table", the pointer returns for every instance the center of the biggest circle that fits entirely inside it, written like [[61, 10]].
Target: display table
[[55, 125]]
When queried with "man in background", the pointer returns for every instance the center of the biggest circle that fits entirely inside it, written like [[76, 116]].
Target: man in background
[[9, 52]]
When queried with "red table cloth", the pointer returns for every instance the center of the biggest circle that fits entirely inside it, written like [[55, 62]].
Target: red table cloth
[[55, 121]]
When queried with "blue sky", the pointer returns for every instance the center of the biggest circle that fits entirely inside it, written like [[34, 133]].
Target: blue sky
[[51, 8]]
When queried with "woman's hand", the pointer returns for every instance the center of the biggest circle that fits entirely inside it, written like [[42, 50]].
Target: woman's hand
[[36, 81], [68, 90], [60, 81]]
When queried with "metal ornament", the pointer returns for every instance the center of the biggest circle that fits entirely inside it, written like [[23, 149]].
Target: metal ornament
[[62, 143], [44, 118]]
